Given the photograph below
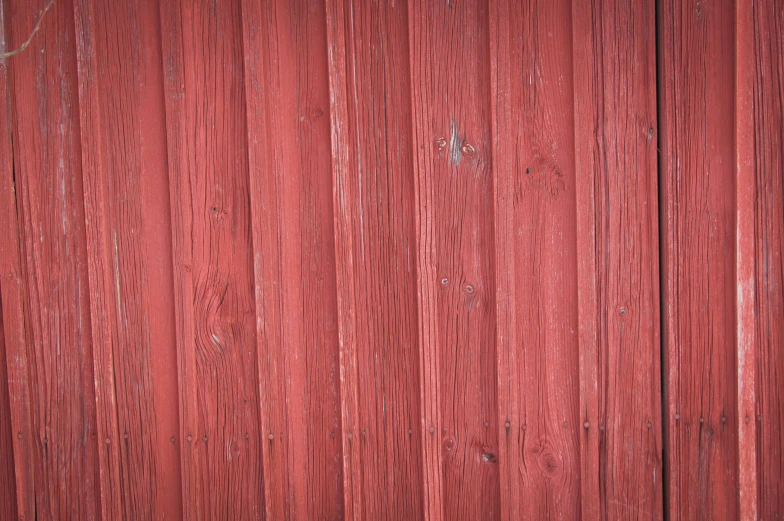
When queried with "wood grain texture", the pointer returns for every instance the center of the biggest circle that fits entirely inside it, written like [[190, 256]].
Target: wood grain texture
[[123, 140], [450, 94], [45, 297], [8, 248], [767, 49], [535, 240], [7, 478], [615, 132], [375, 245], [698, 205], [213, 260], [294, 260]]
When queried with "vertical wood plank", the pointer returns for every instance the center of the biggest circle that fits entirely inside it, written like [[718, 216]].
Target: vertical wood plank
[[746, 195], [129, 256], [45, 298], [619, 123], [291, 200], [375, 256], [213, 260], [9, 260], [8, 508], [585, 48], [698, 201], [768, 121], [450, 79], [535, 242]]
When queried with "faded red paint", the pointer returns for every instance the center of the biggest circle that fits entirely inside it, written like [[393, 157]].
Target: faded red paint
[[337, 259]]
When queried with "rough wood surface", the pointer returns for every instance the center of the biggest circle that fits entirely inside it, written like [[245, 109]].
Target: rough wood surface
[[767, 50], [45, 283], [123, 138], [535, 239], [338, 259], [375, 245], [294, 260], [213, 261], [615, 133]]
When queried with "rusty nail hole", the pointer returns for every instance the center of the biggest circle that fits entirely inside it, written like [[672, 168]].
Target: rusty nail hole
[[171, 439], [527, 171], [469, 289], [622, 312], [586, 425], [488, 457], [468, 150], [445, 281], [214, 209], [711, 432], [441, 143]]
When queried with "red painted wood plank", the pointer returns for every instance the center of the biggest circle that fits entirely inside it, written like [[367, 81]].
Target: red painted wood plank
[[746, 334], [698, 205], [614, 49], [129, 256], [213, 260], [538, 378], [291, 200], [450, 94], [768, 122], [375, 256], [11, 332], [7, 477], [45, 300], [585, 49]]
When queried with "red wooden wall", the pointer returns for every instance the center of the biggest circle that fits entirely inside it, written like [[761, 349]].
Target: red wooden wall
[[341, 259]]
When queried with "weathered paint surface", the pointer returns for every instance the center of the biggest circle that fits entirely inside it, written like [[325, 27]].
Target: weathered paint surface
[[337, 259]]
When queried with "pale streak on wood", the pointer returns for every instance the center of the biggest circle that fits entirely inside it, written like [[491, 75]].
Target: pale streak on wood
[[344, 252], [745, 259]]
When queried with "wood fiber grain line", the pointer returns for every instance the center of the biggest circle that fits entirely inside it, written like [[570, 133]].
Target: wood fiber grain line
[[698, 201], [450, 79], [129, 256], [538, 365], [287, 95], [213, 260], [615, 103], [375, 257], [45, 283], [768, 121]]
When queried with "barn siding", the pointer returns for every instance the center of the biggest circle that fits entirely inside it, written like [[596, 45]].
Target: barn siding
[[336, 259]]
